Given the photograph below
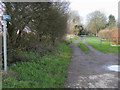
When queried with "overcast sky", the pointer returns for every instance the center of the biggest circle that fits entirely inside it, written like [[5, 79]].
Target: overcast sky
[[84, 7]]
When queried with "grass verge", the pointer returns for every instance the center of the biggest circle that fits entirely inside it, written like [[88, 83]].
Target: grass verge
[[82, 46], [105, 47], [48, 71]]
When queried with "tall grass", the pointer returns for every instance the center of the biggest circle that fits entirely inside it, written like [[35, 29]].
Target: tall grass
[[48, 71]]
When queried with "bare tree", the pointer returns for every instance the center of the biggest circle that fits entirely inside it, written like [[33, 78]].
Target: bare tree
[[96, 22]]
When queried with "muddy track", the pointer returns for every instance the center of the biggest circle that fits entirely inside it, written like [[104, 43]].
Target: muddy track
[[89, 69]]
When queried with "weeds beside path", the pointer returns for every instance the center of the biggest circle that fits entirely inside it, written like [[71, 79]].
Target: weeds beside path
[[48, 71]]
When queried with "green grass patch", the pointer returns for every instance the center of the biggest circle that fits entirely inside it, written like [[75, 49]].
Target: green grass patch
[[69, 41], [82, 46], [104, 47], [48, 71]]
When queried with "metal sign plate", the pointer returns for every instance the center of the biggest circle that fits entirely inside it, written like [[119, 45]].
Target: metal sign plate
[[6, 17]]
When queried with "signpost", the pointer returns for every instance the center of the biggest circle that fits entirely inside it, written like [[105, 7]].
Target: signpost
[[5, 19]]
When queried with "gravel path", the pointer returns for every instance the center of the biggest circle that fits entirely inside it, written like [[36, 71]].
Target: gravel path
[[89, 70]]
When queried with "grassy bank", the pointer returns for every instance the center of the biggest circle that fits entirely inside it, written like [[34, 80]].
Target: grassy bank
[[48, 71], [82, 46], [104, 47]]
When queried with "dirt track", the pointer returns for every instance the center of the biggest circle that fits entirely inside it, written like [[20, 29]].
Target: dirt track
[[88, 70]]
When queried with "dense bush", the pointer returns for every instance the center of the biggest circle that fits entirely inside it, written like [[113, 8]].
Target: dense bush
[[35, 26], [105, 34]]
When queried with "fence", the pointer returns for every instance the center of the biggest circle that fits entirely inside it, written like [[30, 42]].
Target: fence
[[112, 35], [115, 35]]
